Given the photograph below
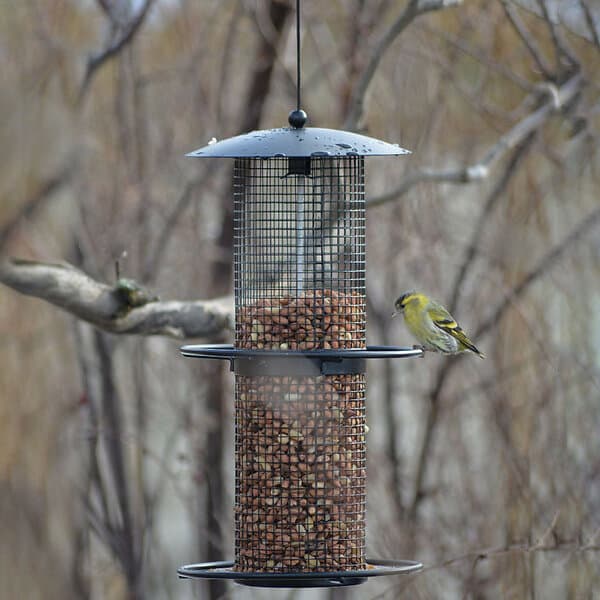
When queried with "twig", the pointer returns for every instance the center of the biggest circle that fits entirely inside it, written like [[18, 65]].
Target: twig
[[381, 318], [584, 227], [477, 53], [545, 263], [35, 201], [95, 61], [528, 40], [496, 193], [430, 426], [103, 306], [152, 262], [265, 58], [226, 62], [589, 18], [414, 9], [494, 552], [107, 9], [434, 398], [561, 46], [127, 552], [480, 170]]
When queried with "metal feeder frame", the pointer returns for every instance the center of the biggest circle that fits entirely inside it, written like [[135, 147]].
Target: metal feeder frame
[[299, 358]]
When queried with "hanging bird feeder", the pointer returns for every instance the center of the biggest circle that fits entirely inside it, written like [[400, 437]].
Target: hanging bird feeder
[[299, 357]]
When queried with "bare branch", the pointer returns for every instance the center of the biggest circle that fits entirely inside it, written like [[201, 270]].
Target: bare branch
[[414, 9], [527, 39], [37, 199], [562, 48], [545, 263], [154, 257], [127, 551], [106, 7], [478, 54], [105, 307], [496, 193], [589, 18], [566, 546], [542, 267], [558, 97], [124, 37]]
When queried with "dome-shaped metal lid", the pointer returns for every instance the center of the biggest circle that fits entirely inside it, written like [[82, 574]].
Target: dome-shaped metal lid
[[305, 141]]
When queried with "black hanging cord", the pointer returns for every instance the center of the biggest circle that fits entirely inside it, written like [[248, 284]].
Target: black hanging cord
[[297, 118], [298, 60]]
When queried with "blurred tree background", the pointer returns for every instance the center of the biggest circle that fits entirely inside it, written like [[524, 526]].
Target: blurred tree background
[[116, 454]]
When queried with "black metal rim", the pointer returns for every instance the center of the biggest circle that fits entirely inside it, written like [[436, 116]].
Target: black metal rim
[[224, 570], [228, 352]]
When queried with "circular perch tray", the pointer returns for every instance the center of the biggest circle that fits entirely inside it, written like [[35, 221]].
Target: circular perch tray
[[297, 362], [224, 570], [228, 352]]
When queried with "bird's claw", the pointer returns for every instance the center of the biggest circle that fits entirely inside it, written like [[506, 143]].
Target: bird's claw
[[421, 348]]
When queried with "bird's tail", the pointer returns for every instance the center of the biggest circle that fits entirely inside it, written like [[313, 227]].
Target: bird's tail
[[471, 346], [474, 349]]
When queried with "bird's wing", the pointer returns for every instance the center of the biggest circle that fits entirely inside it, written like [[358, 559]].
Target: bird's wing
[[443, 320]]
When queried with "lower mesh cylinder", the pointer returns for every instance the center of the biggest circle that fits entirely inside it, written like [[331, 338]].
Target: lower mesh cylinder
[[300, 457]]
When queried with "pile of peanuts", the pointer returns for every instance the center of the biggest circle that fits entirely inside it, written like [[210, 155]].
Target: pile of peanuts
[[314, 320], [300, 473]]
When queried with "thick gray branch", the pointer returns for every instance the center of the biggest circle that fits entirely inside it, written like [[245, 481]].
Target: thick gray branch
[[105, 307], [557, 97]]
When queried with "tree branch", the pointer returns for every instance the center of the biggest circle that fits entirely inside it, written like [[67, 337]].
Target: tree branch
[[542, 545], [37, 199], [589, 18], [558, 97], [528, 40], [477, 233], [414, 9], [106, 307], [117, 43], [154, 257], [545, 263], [478, 54], [562, 49]]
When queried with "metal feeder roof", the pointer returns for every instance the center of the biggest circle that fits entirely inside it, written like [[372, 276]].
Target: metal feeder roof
[[298, 142]]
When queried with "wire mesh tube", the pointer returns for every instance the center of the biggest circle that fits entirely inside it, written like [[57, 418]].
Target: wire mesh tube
[[299, 252], [300, 465], [299, 267]]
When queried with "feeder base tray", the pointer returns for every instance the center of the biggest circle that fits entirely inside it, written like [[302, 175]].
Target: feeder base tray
[[224, 570]]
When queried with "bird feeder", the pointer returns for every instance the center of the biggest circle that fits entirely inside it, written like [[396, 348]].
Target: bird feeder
[[299, 357]]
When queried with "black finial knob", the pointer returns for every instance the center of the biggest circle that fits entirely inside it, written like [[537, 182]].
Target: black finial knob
[[297, 118]]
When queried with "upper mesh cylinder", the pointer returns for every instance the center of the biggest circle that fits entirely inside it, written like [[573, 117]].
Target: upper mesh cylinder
[[299, 251]]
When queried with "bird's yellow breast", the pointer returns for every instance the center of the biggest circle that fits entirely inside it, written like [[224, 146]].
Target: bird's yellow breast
[[415, 316]]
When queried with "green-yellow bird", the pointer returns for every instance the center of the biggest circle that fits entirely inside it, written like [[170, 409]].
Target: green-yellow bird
[[433, 326]]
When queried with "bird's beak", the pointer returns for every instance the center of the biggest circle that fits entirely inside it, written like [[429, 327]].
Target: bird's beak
[[394, 313]]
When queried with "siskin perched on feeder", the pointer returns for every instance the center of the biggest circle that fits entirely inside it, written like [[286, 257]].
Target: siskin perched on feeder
[[432, 325]]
